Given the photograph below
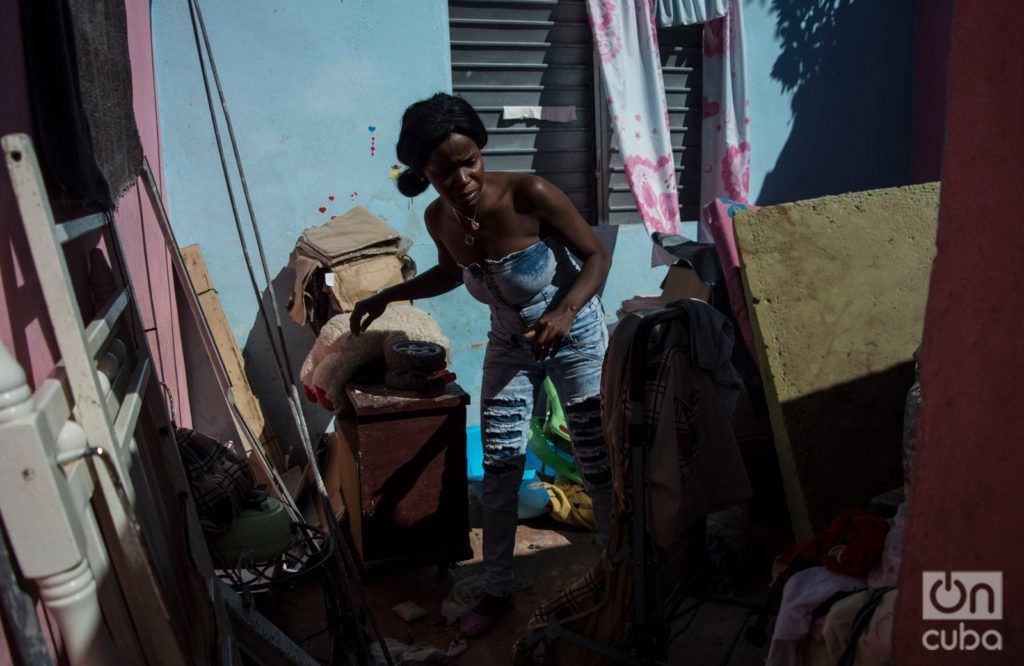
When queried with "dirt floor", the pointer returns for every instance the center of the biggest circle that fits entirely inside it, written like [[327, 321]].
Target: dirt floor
[[549, 556]]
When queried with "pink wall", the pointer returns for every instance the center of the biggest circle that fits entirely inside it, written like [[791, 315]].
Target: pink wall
[[24, 325], [966, 506], [147, 256]]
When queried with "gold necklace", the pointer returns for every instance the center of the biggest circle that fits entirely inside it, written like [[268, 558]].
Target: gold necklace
[[473, 224]]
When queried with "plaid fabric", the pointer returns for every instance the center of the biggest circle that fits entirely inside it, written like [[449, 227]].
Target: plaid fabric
[[583, 596], [220, 480], [588, 593], [694, 468]]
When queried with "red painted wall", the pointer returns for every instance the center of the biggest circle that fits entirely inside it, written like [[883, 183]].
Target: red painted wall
[[24, 326], [967, 498], [931, 69]]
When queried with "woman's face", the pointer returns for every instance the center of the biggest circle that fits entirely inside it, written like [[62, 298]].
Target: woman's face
[[456, 170]]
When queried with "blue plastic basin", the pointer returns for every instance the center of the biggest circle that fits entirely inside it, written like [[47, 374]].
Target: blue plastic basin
[[533, 498]]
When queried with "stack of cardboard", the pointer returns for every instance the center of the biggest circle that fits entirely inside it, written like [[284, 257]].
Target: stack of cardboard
[[360, 254]]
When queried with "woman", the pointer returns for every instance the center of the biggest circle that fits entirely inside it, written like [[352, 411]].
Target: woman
[[508, 238]]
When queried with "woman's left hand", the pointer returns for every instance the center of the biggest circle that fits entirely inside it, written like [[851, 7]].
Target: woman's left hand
[[549, 332]]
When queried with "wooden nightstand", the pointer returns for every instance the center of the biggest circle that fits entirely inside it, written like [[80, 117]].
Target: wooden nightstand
[[402, 462]]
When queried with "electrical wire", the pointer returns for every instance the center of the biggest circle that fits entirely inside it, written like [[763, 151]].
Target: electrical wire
[[275, 478], [193, 11], [284, 368]]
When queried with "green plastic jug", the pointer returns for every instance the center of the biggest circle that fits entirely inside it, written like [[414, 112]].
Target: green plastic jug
[[262, 531]]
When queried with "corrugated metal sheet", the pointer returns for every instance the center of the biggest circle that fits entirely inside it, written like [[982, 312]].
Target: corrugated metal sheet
[[540, 53], [681, 68], [530, 53]]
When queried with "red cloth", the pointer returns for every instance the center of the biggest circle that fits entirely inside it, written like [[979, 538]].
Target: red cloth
[[850, 545]]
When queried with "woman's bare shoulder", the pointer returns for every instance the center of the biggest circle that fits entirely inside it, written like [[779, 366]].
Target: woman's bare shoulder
[[434, 216], [530, 191]]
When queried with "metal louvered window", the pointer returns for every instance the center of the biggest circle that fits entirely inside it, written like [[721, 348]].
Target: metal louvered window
[[681, 68], [540, 53]]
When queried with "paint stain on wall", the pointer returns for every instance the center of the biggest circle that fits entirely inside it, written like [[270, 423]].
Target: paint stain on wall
[[373, 140]]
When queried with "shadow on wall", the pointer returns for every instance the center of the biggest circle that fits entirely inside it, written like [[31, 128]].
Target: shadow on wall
[[849, 65], [22, 296], [265, 379]]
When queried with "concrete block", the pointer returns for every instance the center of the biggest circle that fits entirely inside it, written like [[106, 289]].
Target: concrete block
[[836, 288]]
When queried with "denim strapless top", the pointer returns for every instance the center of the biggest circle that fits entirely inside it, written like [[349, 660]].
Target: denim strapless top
[[521, 287]]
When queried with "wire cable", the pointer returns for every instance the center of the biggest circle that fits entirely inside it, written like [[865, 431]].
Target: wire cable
[[193, 10], [284, 368]]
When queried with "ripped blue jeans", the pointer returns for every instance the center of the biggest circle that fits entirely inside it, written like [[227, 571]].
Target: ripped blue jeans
[[512, 379]]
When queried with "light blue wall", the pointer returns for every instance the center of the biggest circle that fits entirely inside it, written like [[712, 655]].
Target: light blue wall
[[305, 80], [831, 96]]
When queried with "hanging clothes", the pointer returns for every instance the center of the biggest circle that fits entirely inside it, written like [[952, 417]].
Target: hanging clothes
[[80, 82], [689, 12], [711, 343], [694, 468], [725, 143], [626, 42]]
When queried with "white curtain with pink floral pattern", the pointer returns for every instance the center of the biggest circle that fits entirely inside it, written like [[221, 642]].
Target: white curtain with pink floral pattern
[[725, 142], [626, 41]]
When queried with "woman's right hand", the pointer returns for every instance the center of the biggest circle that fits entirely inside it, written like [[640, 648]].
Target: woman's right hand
[[364, 312]]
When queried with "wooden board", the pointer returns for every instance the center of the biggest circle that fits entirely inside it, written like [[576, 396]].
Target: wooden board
[[231, 356], [836, 289]]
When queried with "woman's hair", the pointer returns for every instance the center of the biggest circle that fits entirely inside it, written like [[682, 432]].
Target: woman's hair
[[426, 124]]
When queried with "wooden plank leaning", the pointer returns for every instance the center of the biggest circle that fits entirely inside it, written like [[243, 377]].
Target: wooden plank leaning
[[265, 472]]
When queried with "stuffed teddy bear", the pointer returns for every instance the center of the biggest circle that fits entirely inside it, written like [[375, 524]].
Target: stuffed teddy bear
[[337, 355]]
